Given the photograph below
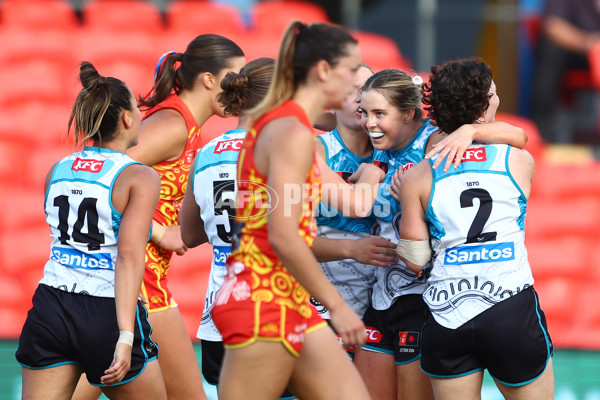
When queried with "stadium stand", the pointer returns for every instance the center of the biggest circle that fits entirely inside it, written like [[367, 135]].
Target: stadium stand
[[123, 16], [36, 15], [380, 52], [272, 17], [535, 144], [195, 18], [42, 43]]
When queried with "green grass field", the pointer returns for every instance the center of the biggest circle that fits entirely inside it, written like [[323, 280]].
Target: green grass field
[[577, 375]]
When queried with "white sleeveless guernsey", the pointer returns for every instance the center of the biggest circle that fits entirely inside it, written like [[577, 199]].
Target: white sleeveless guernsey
[[84, 224], [214, 186], [476, 214]]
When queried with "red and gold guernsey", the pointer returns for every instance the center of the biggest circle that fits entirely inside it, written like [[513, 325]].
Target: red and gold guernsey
[[260, 299], [173, 184]]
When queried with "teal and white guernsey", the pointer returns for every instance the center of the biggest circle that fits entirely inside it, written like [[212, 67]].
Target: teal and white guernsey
[[396, 280], [353, 280], [477, 219], [84, 224], [214, 186]]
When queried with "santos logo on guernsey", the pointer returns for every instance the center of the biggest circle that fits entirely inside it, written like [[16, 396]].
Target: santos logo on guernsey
[[480, 254], [76, 259], [93, 166]]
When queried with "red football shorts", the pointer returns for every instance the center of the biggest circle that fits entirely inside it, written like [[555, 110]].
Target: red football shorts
[[243, 322], [154, 286]]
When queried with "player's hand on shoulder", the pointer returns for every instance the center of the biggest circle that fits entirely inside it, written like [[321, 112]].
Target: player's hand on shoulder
[[396, 183], [452, 147]]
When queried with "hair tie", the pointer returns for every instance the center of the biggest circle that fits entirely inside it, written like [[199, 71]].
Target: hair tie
[[160, 64], [157, 70], [417, 80]]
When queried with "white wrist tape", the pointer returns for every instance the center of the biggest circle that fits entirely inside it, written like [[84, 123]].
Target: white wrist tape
[[417, 252], [126, 337]]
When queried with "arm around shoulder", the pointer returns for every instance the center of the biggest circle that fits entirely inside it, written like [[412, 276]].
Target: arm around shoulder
[[500, 132]]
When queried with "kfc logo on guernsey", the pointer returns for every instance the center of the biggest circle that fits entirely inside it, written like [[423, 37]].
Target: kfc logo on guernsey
[[229, 145], [93, 166], [407, 166], [475, 155]]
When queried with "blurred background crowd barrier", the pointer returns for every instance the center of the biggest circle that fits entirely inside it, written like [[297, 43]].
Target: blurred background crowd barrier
[[43, 41]]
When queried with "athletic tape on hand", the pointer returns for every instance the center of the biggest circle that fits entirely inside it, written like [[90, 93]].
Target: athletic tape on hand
[[417, 252], [126, 337]]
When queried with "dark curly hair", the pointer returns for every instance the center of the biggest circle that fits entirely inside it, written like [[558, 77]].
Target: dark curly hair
[[245, 89], [458, 92]]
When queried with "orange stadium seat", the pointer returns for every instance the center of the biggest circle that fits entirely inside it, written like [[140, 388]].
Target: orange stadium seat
[[123, 16], [555, 218], [11, 287], [173, 41], [271, 17], [23, 45], [39, 15], [13, 162], [24, 249], [560, 257], [594, 272], [256, 46], [39, 122], [559, 181], [113, 54], [12, 320], [29, 201], [380, 51], [34, 80], [594, 60], [195, 18], [535, 144], [587, 324], [137, 76], [556, 297], [43, 157]]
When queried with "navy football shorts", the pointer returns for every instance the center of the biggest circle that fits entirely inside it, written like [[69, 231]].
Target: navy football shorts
[[510, 339], [397, 330], [69, 328]]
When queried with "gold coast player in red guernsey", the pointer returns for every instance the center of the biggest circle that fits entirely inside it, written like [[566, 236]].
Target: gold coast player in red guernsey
[[273, 336], [183, 98]]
